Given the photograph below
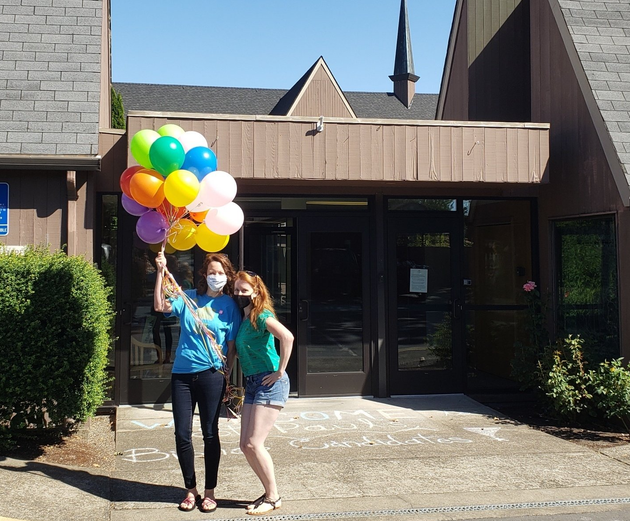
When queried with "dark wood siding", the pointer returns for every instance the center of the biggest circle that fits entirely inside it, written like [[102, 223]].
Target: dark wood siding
[[498, 60], [581, 181]]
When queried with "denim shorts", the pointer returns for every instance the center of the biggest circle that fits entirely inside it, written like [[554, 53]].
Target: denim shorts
[[258, 394]]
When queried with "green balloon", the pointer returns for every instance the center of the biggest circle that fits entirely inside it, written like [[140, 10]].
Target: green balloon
[[141, 144], [170, 129], [167, 155]]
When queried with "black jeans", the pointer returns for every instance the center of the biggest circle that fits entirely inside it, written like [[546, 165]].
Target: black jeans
[[205, 389]]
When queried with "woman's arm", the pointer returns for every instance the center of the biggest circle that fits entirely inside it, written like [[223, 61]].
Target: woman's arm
[[159, 302], [286, 345], [231, 357]]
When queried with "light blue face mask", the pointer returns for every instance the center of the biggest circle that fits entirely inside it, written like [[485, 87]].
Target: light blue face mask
[[216, 282]]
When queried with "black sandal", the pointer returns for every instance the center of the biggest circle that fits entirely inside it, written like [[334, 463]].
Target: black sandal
[[265, 507], [256, 502]]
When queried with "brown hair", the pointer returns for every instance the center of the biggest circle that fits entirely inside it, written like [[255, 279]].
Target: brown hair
[[221, 258], [262, 300]]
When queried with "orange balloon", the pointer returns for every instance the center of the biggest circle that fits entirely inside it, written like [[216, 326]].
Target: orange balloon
[[198, 216], [147, 188]]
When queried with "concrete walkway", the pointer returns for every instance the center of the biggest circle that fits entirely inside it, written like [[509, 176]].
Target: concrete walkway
[[427, 457]]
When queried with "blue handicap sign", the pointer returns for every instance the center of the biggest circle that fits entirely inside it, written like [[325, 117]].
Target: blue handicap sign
[[4, 208]]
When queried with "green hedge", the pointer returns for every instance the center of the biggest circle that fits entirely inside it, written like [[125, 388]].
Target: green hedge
[[54, 339]]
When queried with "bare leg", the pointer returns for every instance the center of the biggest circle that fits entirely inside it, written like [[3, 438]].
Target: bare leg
[[256, 424]]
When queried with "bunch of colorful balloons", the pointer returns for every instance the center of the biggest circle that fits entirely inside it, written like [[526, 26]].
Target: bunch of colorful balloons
[[177, 191]]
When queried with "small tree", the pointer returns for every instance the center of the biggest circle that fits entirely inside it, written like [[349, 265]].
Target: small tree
[[118, 110], [55, 321]]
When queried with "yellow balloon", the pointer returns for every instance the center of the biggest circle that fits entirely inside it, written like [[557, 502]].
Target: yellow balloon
[[157, 247], [181, 187], [209, 241], [182, 235]]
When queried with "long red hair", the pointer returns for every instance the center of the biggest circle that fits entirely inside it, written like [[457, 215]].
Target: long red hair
[[262, 300]]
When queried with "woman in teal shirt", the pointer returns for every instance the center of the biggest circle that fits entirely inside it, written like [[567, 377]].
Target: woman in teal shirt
[[198, 374], [266, 382]]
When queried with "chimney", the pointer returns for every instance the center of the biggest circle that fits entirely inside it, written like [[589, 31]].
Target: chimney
[[404, 78]]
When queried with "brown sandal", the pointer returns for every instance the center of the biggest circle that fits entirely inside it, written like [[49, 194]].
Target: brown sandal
[[256, 503], [208, 505], [189, 504], [265, 507]]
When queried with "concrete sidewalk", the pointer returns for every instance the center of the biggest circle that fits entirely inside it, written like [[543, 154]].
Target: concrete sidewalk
[[424, 457]]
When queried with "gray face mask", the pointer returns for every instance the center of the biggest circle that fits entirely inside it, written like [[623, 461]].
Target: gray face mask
[[216, 282]]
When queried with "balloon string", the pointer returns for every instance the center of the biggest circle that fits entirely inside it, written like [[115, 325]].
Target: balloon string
[[171, 289]]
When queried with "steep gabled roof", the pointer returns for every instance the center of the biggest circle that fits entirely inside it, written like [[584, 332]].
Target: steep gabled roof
[[600, 33]]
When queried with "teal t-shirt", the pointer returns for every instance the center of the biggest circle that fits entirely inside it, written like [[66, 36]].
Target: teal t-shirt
[[256, 348], [194, 351]]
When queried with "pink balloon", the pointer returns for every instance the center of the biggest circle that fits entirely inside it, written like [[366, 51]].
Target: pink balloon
[[225, 220], [216, 189], [191, 139]]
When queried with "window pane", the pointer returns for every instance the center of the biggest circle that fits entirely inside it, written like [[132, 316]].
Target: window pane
[[497, 246], [588, 304], [490, 340], [422, 205], [107, 265]]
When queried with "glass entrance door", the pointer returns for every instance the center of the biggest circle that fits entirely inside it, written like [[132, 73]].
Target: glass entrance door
[[333, 306], [425, 326]]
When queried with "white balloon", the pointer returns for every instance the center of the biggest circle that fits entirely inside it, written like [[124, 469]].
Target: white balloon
[[225, 220], [191, 139], [216, 189], [222, 188]]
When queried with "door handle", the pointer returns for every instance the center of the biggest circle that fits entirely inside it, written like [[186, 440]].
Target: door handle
[[125, 314], [303, 310], [456, 309]]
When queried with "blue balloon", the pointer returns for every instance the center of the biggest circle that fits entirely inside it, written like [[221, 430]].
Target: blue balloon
[[200, 161]]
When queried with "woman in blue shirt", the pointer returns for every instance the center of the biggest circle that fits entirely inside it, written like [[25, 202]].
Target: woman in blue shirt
[[198, 374], [266, 382]]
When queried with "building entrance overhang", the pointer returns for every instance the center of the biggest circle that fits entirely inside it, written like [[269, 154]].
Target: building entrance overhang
[[369, 150]]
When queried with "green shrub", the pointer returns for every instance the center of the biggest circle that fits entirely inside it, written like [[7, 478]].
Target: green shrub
[[54, 339], [611, 390], [568, 383], [118, 110]]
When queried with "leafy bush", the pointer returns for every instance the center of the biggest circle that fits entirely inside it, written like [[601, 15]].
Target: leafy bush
[[118, 110], [558, 372], [54, 339], [567, 381], [611, 390]]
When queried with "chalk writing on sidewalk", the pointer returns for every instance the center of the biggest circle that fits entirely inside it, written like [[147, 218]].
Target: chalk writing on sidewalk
[[367, 441]]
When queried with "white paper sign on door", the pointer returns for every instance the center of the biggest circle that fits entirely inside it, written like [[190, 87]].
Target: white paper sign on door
[[418, 280]]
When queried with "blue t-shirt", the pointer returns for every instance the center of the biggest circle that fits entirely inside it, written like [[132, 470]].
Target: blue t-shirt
[[194, 350]]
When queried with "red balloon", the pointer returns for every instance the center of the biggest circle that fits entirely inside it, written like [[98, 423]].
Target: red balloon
[[125, 179], [172, 213]]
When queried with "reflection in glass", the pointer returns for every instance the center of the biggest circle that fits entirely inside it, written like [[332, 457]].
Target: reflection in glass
[[424, 321], [335, 328], [490, 340], [422, 205], [154, 337], [586, 284], [107, 265], [497, 250]]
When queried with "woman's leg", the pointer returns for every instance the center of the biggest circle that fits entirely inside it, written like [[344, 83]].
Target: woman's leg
[[209, 389], [183, 408], [254, 432]]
